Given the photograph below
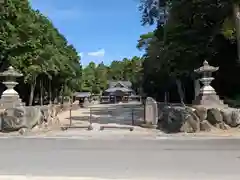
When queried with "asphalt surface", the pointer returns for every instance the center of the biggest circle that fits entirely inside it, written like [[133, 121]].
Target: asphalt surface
[[122, 158]]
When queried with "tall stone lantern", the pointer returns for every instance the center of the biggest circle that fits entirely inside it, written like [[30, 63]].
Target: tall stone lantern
[[207, 95], [10, 97]]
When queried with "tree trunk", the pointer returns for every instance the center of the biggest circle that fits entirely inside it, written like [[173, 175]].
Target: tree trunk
[[57, 96], [50, 91], [165, 97], [236, 11], [180, 90], [62, 93], [33, 85], [41, 92], [197, 87]]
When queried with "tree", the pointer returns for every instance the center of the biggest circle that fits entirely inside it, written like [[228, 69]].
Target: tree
[[89, 78], [144, 40], [31, 43], [194, 31], [115, 71], [101, 77], [96, 77]]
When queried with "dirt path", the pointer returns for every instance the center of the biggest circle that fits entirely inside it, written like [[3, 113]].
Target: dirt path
[[79, 114], [80, 117]]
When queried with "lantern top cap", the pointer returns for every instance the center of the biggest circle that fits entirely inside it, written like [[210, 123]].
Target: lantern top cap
[[206, 68], [11, 72]]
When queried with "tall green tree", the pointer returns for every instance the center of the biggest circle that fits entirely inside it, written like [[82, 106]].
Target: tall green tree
[[194, 31], [30, 42], [96, 77], [101, 77], [89, 78]]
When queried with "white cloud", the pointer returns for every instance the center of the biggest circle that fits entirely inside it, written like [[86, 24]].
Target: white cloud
[[99, 53]]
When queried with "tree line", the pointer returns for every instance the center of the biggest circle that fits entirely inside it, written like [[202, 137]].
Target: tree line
[[187, 33], [32, 45], [96, 76]]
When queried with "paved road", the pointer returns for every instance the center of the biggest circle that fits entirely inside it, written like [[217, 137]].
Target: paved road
[[130, 159]]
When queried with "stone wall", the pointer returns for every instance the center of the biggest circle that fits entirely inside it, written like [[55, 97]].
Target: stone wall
[[25, 118], [191, 119]]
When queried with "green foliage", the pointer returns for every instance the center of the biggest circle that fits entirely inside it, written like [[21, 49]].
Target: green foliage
[[89, 77], [144, 40], [194, 31], [30, 42], [96, 77]]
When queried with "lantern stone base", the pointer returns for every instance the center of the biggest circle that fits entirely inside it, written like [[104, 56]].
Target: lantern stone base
[[209, 100], [8, 101]]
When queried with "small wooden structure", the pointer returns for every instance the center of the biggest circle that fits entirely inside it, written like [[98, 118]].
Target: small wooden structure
[[81, 96], [118, 91]]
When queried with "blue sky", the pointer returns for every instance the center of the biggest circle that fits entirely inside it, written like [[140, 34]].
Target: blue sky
[[100, 30]]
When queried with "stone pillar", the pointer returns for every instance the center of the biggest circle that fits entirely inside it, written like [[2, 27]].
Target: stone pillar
[[151, 111]]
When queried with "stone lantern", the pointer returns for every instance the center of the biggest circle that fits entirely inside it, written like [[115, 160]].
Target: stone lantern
[[207, 95], [10, 97]]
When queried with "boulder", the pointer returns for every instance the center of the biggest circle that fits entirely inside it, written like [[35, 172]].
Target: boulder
[[178, 119], [174, 119], [235, 118], [201, 112], [231, 116], [192, 119], [227, 116], [205, 126], [14, 119], [223, 126], [214, 116]]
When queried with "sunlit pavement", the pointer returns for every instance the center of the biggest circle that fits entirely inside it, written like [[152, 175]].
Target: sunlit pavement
[[64, 158]]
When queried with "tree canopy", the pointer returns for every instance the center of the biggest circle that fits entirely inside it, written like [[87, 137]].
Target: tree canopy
[[187, 33], [30, 42], [194, 31], [96, 77]]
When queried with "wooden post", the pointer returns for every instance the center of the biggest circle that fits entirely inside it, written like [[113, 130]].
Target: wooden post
[[70, 111], [70, 116]]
